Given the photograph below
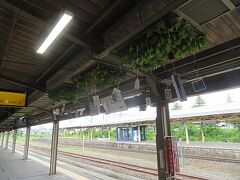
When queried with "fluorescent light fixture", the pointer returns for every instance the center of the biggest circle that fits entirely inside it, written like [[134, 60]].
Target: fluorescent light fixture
[[62, 23]]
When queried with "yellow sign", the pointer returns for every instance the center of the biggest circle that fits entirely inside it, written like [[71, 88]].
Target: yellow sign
[[12, 99]]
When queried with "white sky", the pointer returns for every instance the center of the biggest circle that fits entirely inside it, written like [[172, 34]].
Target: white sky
[[211, 99]]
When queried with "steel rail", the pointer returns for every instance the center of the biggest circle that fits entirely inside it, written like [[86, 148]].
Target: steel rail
[[136, 168]]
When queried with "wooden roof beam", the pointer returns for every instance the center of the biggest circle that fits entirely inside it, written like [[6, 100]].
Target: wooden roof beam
[[144, 25], [19, 83], [223, 53], [103, 16], [16, 10], [14, 22]]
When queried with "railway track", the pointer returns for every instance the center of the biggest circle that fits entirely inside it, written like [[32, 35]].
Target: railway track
[[213, 159], [185, 156], [126, 166]]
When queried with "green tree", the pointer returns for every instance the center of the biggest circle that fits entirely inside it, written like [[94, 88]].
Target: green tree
[[177, 106], [212, 132], [199, 102]]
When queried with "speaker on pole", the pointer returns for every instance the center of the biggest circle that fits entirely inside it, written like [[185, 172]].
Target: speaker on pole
[[177, 83]]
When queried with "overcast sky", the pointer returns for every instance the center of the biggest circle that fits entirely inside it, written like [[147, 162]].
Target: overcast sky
[[212, 99]]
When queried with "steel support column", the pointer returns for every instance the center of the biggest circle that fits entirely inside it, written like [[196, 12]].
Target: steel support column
[[139, 134], [88, 134], [7, 138], [91, 134], [109, 134], [54, 148], [2, 138], [14, 140], [117, 134], [202, 134], [26, 145], [163, 129]]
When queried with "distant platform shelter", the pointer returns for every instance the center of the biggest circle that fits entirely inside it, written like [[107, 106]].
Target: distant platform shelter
[[135, 133]]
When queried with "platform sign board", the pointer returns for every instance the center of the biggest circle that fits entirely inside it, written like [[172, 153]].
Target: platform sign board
[[199, 85], [12, 99], [114, 103], [172, 154]]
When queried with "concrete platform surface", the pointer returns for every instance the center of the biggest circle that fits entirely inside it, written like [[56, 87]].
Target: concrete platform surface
[[13, 167]]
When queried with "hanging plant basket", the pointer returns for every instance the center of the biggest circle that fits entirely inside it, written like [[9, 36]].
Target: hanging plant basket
[[67, 92], [171, 37], [96, 79]]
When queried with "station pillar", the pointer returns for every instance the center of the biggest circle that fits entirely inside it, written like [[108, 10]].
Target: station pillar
[[139, 134], [186, 133], [154, 130], [163, 129], [7, 139], [54, 147], [117, 134], [14, 140], [88, 134], [202, 134], [91, 134], [2, 138], [109, 134], [26, 145]]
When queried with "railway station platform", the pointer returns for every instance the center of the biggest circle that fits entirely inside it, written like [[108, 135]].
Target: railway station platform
[[13, 167]]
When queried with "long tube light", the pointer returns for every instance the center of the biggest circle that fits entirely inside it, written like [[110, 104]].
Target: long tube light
[[62, 23]]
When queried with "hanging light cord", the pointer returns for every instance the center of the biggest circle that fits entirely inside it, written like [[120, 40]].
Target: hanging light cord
[[195, 65], [139, 12]]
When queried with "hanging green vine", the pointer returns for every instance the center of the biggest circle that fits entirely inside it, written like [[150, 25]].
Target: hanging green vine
[[97, 79], [170, 36], [65, 92]]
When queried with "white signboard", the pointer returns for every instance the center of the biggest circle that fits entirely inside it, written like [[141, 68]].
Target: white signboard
[[148, 101], [137, 84], [168, 94], [114, 103]]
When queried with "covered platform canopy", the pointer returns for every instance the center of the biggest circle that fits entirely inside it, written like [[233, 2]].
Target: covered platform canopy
[[98, 29]]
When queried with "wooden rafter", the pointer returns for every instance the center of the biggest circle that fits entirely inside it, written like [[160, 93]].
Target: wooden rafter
[[11, 31]]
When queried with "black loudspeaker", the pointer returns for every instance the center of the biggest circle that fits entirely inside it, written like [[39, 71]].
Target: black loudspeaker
[[181, 94]]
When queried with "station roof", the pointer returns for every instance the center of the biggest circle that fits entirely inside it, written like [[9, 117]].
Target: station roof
[[99, 27], [206, 110]]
